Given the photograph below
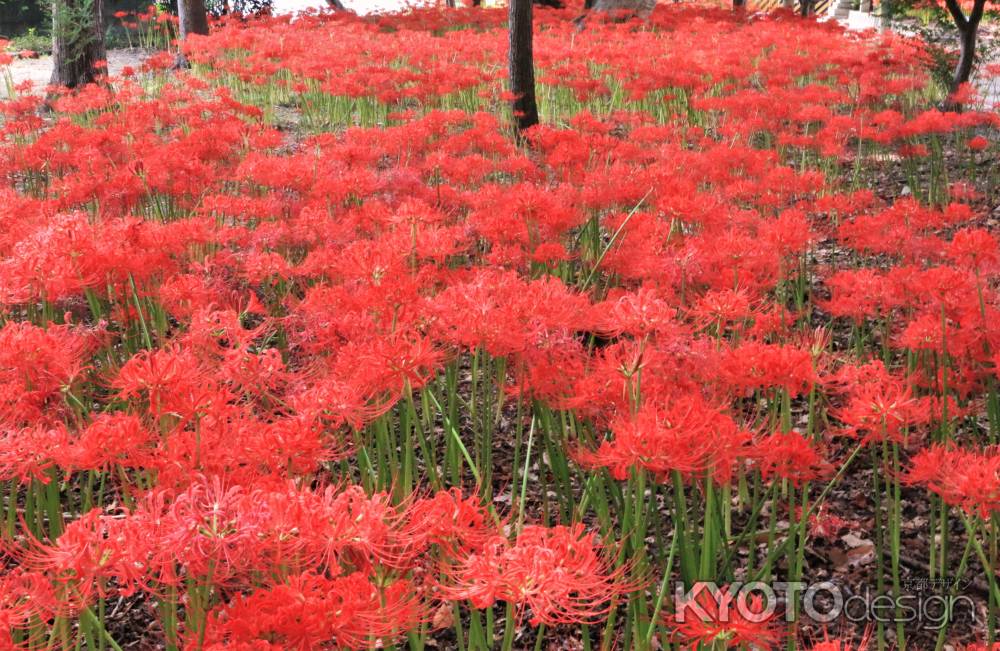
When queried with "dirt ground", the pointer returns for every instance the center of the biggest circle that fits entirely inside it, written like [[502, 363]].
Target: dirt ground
[[39, 70]]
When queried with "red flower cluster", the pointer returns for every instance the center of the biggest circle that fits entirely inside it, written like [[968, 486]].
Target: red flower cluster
[[269, 328]]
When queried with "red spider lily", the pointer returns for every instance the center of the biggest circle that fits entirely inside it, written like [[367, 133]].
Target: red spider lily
[[715, 617], [755, 365], [504, 314], [833, 644], [35, 364], [789, 456], [165, 377], [674, 364], [823, 524], [976, 249], [215, 529], [23, 595], [110, 440], [721, 307], [639, 314], [880, 406], [28, 453], [96, 555], [978, 143], [861, 294], [559, 573], [457, 524], [271, 312], [308, 611], [688, 437], [328, 404], [965, 478]]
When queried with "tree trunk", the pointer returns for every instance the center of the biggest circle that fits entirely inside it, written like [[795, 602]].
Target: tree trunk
[[968, 31], [967, 56], [193, 18], [885, 10], [522, 65], [806, 7], [336, 5], [77, 42], [739, 4]]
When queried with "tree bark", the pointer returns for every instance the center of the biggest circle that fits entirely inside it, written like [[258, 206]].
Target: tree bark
[[336, 5], [192, 17], [522, 65], [966, 57], [968, 32], [77, 42], [885, 10], [806, 7]]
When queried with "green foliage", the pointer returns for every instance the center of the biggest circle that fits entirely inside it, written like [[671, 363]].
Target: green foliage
[[34, 40], [75, 26], [15, 13], [116, 37]]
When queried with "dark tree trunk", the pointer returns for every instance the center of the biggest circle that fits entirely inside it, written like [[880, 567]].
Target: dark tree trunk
[[192, 17], [555, 4], [966, 58], [77, 42], [968, 31], [806, 7], [336, 5], [739, 5], [522, 65]]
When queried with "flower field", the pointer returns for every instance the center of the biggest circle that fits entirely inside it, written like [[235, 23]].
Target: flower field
[[302, 348]]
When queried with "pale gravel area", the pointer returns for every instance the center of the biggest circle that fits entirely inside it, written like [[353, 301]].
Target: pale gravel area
[[39, 70]]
